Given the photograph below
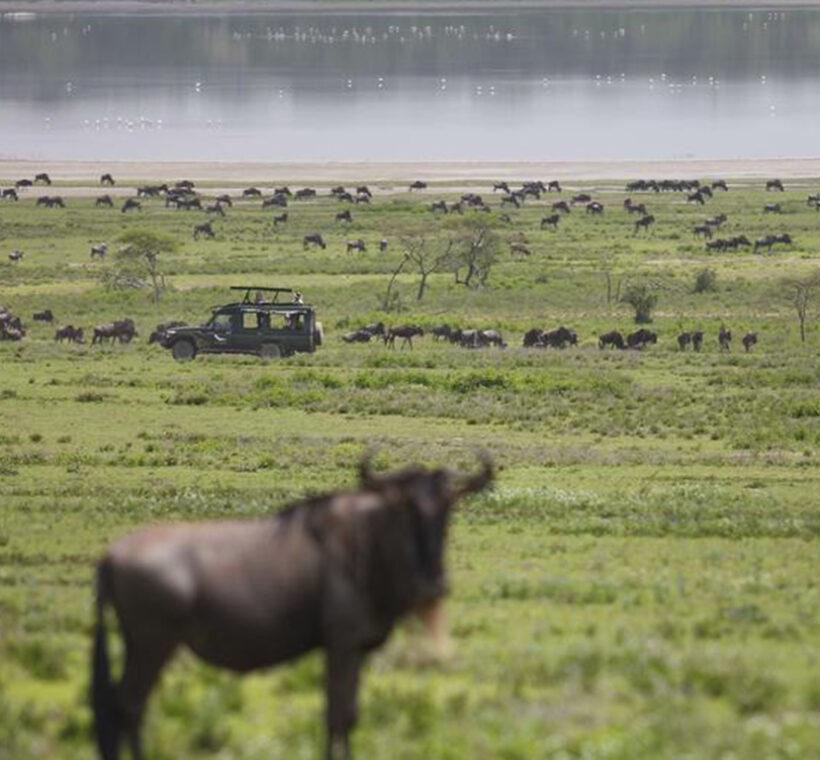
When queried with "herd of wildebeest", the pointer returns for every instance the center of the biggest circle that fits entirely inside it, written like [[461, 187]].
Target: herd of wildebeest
[[183, 195]]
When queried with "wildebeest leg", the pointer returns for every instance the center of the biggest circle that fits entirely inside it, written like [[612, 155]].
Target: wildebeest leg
[[144, 659], [342, 688]]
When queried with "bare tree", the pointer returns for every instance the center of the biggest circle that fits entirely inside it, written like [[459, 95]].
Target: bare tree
[[425, 255], [391, 300], [476, 249], [801, 294]]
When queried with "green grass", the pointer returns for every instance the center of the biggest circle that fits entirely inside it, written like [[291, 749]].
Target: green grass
[[641, 583]]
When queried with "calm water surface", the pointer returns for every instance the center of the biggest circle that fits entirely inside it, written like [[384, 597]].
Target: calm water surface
[[552, 84]]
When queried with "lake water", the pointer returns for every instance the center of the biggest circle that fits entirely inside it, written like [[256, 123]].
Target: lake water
[[552, 84]]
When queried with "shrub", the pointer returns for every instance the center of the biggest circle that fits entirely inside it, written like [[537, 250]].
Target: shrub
[[705, 280], [641, 298]]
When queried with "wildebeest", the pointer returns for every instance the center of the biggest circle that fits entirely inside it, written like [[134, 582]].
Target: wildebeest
[[720, 184], [151, 191], [11, 194], [442, 332], [363, 199], [595, 208], [42, 178], [772, 208], [122, 330], [697, 340], [724, 339], [187, 204], [716, 221], [775, 184], [251, 192], [769, 240], [314, 238], [216, 208], [16, 255], [184, 184], [562, 206], [405, 332], [282, 191], [703, 229], [305, 193], [641, 338], [364, 190], [696, 197], [333, 572], [645, 222], [418, 185], [279, 201], [338, 190], [554, 185], [532, 337], [346, 197], [511, 199], [561, 337], [356, 245], [612, 339], [503, 186], [161, 331], [637, 208], [107, 179], [684, 340], [344, 216], [439, 206], [749, 340], [382, 245], [358, 336], [104, 200], [551, 221], [225, 200], [206, 229], [50, 202], [99, 251], [581, 198], [23, 183], [131, 204], [70, 333], [280, 219], [43, 316]]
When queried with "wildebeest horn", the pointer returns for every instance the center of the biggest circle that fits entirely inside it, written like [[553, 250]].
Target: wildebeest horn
[[481, 479]]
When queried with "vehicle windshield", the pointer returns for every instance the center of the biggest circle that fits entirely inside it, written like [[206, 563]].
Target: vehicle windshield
[[220, 322]]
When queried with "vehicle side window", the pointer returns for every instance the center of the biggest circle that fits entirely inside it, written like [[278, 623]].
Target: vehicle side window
[[221, 322], [250, 320]]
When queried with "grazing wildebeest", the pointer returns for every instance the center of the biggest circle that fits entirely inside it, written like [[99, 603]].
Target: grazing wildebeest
[[772, 208], [314, 238], [334, 572], [280, 219], [50, 202], [99, 251], [511, 199], [405, 332], [775, 184], [282, 191], [383, 245], [275, 200], [42, 178], [364, 190], [122, 330], [418, 185], [519, 248], [70, 333], [131, 204], [338, 190], [641, 338], [206, 229], [724, 339], [457, 208], [104, 200], [151, 191], [188, 204], [697, 340], [554, 185], [344, 216], [107, 179], [10, 193], [185, 185], [703, 229], [561, 337], [160, 333], [359, 336], [225, 200], [696, 197], [581, 198], [23, 183], [363, 199], [684, 340], [251, 192], [638, 208], [720, 184], [356, 245], [305, 193], [43, 316], [491, 338], [612, 339], [551, 221], [645, 222], [769, 240], [561, 206], [442, 332], [716, 221], [595, 208], [439, 206], [533, 337], [749, 340], [216, 208], [16, 255], [503, 186]]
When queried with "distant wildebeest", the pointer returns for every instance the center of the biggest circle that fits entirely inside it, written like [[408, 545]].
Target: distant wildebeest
[[772, 208], [581, 198], [11, 194], [251, 192], [512, 200], [645, 222], [23, 183], [188, 204], [769, 240], [43, 316], [457, 208], [131, 204], [50, 202], [418, 185], [107, 179], [358, 336], [122, 330], [561, 337], [703, 229], [279, 201], [305, 193], [561, 206], [697, 340], [405, 332], [280, 219], [442, 332], [206, 229], [554, 185], [637, 208], [612, 339], [641, 338], [364, 190], [595, 208], [749, 340], [104, 200], [151, 191], [99, 251], [503, 186], [775, 184], [532, 338], [356, 245], [225, 200], [184, 184], [70, 333], [551, 221], [724, 339], [491, 338], [42, 178], [382, 245], [696, 197], [813, 199], [365, 199], [160, 333], [283, 191], [314, 238], [215, 208], [439, 206], [716, 221], [344, 216], [338, 190], [335, 572], [684, 340], [16, 255], [720, 184]]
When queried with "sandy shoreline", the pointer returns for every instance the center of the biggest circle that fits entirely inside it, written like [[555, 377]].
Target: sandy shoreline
[[436, 172], [351, 6]]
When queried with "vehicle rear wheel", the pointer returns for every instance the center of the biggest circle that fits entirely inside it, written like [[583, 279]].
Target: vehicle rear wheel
[[270, 351], [318, 334], [183, 350]]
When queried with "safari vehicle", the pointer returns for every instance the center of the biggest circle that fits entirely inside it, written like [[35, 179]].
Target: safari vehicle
[[260, 325]]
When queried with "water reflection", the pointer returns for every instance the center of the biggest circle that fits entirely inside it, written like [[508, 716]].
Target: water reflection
[[557, 84]]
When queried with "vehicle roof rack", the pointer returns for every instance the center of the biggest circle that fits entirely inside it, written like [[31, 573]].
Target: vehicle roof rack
[[256, 288]]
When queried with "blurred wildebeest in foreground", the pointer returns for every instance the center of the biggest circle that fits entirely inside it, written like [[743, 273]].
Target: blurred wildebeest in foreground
[[333, 572]]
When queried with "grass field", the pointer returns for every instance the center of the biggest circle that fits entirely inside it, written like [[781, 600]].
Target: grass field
[[642, 583]]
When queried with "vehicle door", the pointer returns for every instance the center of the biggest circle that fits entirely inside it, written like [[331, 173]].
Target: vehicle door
[[216, 336], [251, 330]]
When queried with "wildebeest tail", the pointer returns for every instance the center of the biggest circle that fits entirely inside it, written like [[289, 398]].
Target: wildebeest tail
[[102, 689]]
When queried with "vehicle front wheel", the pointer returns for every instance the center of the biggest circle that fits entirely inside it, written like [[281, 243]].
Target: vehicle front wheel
[[270, 351], [183, 350]]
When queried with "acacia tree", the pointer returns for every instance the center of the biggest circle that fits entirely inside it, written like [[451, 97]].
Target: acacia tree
[[424, 254], [642, 298], [476, 250], [801, 293], [137, 263]]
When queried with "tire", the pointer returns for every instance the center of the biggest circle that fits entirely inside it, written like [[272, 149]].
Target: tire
[[270, 351], [183, 350], [318, 334]]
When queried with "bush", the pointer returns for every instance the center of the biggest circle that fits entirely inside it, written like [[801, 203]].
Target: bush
[[705, 280], [641, 298]]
